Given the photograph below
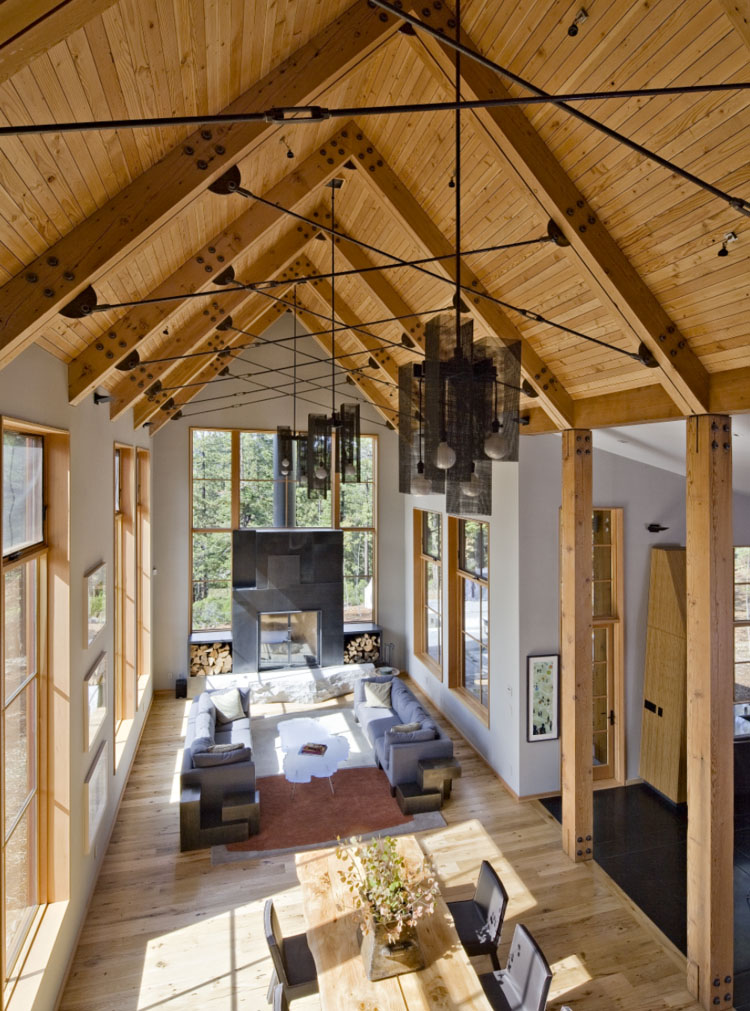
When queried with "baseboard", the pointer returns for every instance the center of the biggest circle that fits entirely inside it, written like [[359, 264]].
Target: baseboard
[[89, 898], [467, 742]]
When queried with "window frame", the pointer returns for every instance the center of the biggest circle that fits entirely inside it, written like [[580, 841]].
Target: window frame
[[53, 752], [30, 554], [737, 623], [289, 485], [124, 609], [457, 579], [142, 571], [614, 626], [422, 610]]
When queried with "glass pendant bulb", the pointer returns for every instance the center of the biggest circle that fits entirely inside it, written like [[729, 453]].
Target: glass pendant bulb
[[495, 446], [445, 456], [320, 473], [421, 485], [472, 487], [350, 472], [285, 465]]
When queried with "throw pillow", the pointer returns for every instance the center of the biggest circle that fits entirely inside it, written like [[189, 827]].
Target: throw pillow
[[405, 728], [205, 759], [222, 748], [378, 695], [228, 706], [423, 734]]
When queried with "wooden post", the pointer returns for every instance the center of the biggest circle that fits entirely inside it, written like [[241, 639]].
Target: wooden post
[[576, 562], [710, 723]]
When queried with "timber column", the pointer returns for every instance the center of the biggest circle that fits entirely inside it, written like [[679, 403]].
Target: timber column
[[576, 562], [710, 717]]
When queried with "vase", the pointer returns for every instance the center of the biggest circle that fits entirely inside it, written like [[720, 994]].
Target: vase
[[383, 958]]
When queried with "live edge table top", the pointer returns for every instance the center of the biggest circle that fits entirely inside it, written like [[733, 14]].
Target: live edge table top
[[447, 983]]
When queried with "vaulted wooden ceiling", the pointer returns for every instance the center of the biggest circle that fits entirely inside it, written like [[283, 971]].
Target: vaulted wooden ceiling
[[130, 212]]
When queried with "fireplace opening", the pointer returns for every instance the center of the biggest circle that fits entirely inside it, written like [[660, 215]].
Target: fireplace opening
[[288, 639]]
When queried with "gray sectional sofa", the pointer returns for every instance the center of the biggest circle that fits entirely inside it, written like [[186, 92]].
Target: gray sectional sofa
[[218, 800], [398, 754]]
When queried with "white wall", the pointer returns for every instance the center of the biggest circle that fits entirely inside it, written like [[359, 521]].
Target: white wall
[[34, 387], [172, 507], [647, 495], [524, 595], [498, 742]]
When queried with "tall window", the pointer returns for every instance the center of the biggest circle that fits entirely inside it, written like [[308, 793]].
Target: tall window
[[125, 592], [236, 484], [355, 514], [143, 569], [742, 624], [607, 638], [23, 593], [213, 520], [428, 589], [468, 570]]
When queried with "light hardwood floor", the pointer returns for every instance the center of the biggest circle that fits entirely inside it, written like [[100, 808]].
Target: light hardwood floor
[[168, 931]]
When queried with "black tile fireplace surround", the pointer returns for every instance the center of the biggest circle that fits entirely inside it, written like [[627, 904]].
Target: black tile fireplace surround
[[284, 571]]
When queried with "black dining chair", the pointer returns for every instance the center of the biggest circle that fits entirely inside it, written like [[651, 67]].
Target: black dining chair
[[523, 985], [479, 921], [293, 964], [280, 1003]]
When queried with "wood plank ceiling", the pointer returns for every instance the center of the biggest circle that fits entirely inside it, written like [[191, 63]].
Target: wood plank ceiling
[[129, 211]]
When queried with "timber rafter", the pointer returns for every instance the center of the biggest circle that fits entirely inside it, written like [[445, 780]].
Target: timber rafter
[[108, 235]]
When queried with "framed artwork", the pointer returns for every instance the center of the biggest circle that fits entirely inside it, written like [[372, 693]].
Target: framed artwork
[[95, 795], [96, 602], [94, 700], [544, 698]]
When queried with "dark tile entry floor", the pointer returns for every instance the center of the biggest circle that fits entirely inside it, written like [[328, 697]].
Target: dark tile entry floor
[[639, 840]]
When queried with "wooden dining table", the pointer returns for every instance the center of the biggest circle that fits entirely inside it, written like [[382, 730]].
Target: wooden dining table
[[448, 981]]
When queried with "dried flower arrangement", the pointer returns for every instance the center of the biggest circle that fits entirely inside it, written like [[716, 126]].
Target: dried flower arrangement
[[384, 888]]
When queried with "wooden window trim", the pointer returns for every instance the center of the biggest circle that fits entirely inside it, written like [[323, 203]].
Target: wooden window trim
[[288, 483], [456, 576], [737, 623], [617, 620], [419, 595], [143, 522], [53, 716], [124, 605]]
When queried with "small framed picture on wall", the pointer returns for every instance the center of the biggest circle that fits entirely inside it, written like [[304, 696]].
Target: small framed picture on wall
[[95, 788], [95, 701], [544, 698], [95, 582]]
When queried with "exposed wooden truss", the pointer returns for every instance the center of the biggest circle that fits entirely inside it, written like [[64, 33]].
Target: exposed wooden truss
[[640, 267], [520, 150], [41, 290]]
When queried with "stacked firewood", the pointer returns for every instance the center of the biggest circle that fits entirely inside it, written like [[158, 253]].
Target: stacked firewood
[[364, 648], [210, 658]]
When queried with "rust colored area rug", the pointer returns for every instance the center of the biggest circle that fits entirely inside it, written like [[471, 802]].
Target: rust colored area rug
[[314, 817]]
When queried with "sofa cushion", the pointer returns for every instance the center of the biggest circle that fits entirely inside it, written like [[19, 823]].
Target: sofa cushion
[[204, 704], [204, 730], [216, 755], [234, 733], [375, 722], [228, 705], [405, 705], [394, 736], [378, 695]]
